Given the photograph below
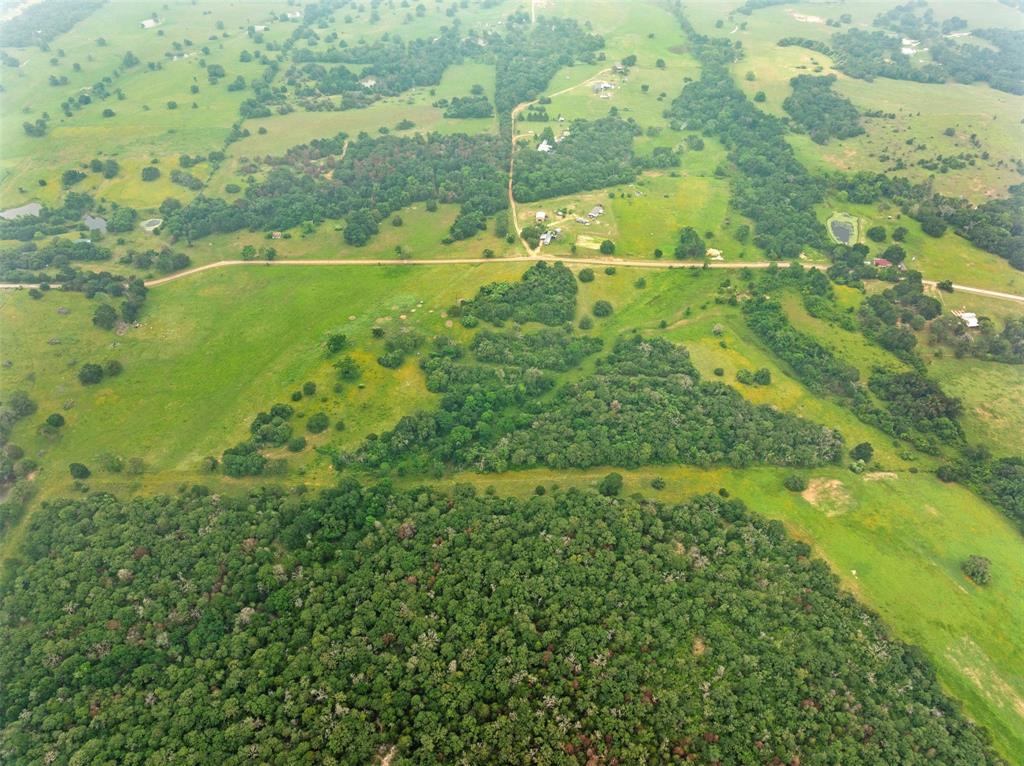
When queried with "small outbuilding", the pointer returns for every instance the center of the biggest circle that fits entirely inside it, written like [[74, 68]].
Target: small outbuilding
[[969, 318]]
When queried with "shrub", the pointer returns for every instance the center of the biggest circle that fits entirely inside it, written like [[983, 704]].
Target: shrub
[[977, 568], [608, 247], [336, 342], [113, 368], [79, 471], [657, 483], [586, 323], [318, 423], [297, 444], [863, 451], [56, 420], [586, 275], [150, 173], [309, 388], [609, 270], [602, 309], [876, 233], [611, 485], [90, 374], [296, 396], [795, 483]]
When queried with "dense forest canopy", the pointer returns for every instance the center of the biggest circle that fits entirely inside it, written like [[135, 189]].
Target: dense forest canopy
[[38, 23], [570, 628]]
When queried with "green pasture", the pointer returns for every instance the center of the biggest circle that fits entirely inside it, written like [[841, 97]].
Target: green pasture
[[923, 112], [993, 398], [204, 362], [143, 128]]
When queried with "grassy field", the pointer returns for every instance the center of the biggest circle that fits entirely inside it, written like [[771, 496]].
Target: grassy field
[[143, 128], [923, 112], [203, 362], [419, 236], [993, 397]]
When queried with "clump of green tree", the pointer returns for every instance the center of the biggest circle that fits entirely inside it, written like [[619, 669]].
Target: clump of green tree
[[398, 346], [978, 569], [545, 294], [819, 111], [548, 349], [376, 178], [469, 107]]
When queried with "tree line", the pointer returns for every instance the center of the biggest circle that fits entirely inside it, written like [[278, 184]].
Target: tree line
[[769, 185]]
